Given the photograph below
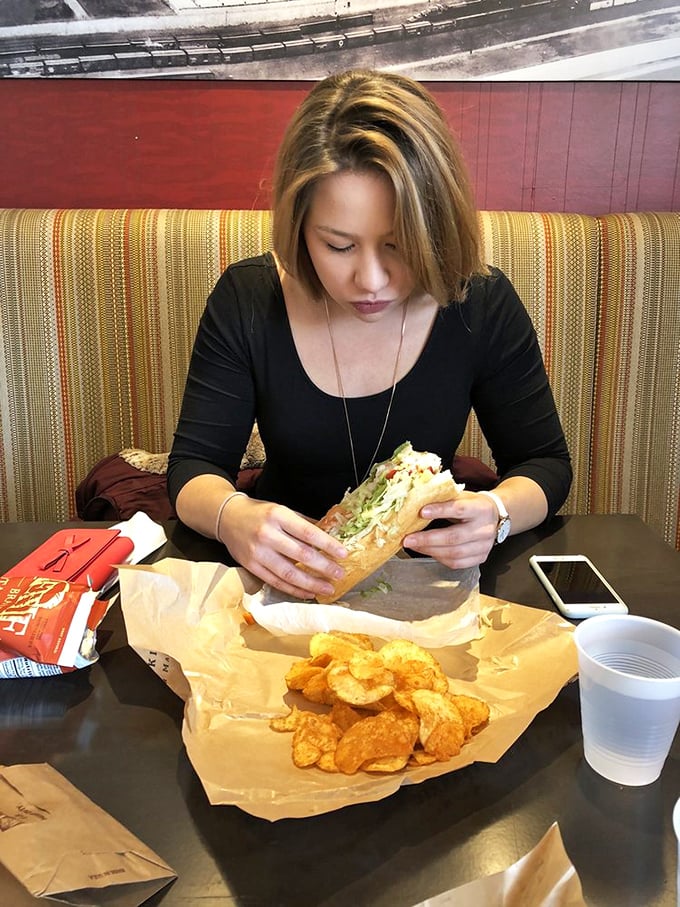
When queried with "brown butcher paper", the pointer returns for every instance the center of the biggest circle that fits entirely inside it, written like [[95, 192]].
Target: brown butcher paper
[[196, 614]]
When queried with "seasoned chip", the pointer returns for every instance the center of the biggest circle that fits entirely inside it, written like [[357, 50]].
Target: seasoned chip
[[317, 690], [420, 757], [314, 736], [287, 722], [474, 712], [369, 666], [417, 675], [414, 668], [391, 764], [322, 660], [361, 640], [355, 692], [375, 738], [327, 763], [300, 673], [442, 731], [339, 646], [397, 651], [345, 715], [404, 698], [390, 709]]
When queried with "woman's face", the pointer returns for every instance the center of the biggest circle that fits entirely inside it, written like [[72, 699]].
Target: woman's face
[[349, 234]]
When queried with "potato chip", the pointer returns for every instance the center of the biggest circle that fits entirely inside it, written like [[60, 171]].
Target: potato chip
[[313, 736], [474, 712], [345, 715], [420, 757], [369, 666], [287, 722], [300, 673], [327, 763], [442, 731], [374, 738], [391, 764], [397, 651], [414, 668], [339, 646], [355, 692], [317, 690], [390, 709]]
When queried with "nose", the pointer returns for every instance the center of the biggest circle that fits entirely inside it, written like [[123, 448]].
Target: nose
[[371, 275]]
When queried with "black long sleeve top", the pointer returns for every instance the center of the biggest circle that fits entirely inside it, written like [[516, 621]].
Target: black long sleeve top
[[481, 354]]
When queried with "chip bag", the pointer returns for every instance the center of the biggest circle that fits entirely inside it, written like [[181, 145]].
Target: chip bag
[[47, 623]]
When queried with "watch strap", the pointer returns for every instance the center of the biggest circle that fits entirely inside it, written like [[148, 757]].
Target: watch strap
[[504, 523], [500, 506]]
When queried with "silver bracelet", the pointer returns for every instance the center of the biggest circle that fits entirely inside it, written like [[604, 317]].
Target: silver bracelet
[[232, 494]]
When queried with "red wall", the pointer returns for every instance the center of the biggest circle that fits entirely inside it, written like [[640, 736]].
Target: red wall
[[590, 147]]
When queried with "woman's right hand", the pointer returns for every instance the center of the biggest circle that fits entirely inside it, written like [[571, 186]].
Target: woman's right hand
[[270, 540]]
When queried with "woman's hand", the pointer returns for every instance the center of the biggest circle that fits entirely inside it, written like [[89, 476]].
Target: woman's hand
[[474, 522], [269, 540], [467, 541]]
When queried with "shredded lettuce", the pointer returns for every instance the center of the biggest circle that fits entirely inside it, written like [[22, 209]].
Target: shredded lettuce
[[383, 492]]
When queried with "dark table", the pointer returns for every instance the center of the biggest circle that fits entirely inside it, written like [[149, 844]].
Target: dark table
[[114, 730]]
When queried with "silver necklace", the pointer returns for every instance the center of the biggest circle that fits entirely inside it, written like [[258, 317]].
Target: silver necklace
[[341, 391]]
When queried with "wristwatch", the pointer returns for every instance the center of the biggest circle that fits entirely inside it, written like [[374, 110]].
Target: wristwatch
[[504, 524]]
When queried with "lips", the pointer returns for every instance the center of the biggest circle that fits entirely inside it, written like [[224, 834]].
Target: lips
[[368, 307]]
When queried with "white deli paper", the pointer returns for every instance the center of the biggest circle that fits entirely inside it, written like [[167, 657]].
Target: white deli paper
[[545, 877], [407, 598]]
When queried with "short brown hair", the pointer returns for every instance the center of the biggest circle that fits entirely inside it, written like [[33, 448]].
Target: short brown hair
[[364, 120]]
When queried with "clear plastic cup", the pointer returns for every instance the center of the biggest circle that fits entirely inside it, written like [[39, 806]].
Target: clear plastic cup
[[676, 828], [629, 678]]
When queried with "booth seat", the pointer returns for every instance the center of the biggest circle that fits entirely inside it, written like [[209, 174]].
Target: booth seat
[[100, 308]]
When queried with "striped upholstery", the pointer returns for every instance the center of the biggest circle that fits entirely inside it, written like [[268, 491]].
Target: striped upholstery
[[553, 259], [636, 426], [99, 310]]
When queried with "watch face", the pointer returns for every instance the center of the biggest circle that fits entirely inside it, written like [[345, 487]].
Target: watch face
[[503, 530]]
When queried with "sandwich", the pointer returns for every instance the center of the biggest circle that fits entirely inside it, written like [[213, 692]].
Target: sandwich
[[372, 520]]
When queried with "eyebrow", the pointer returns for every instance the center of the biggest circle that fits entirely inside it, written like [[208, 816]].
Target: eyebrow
[[341, 233], [334, 231]]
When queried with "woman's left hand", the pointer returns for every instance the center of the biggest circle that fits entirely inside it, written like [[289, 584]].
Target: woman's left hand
[[467, 541]]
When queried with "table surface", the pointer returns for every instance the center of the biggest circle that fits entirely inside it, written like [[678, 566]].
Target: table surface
[[114, 730]]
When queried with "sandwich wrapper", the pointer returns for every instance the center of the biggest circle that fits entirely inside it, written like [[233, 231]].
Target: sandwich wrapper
[[407, 598], [544, 877], [61, 846], [188, 620]]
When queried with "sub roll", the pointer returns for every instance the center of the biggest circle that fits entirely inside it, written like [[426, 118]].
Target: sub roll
[[372, 520]]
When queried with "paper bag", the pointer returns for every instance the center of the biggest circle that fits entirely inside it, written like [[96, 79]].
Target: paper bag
[[60, 845], [545, 877]]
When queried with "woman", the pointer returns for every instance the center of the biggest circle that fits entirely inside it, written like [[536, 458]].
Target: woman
[[374, 322]]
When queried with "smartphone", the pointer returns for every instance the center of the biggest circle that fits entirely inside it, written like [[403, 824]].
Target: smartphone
[[576, 586]]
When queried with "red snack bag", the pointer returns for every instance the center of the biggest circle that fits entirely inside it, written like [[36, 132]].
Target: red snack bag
[[49, 621]]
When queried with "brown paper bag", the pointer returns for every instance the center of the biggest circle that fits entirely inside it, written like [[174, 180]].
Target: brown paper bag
[[60, 845]]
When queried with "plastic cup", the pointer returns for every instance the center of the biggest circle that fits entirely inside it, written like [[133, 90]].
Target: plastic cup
[[629, 678], [676, 828]]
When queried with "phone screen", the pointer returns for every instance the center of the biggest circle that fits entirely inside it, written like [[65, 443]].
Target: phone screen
[[576, 583]]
